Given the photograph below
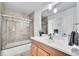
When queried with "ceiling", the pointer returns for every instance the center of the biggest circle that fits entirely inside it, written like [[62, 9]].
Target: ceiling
[[29, 7], [24, 7], [61, 6]]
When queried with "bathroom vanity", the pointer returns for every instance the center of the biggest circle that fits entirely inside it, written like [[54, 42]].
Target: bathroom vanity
[[41, 49], [47, 47]]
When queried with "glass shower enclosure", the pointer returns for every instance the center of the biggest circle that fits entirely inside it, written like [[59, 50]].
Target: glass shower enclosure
[[13, 32]]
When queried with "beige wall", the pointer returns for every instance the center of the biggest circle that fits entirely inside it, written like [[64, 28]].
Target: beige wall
[[16, 14], [37, 22], [4, 10], [31, 17], [0, 7]]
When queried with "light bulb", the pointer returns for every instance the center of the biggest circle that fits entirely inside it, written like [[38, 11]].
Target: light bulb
[[55, 10], [50, 6]]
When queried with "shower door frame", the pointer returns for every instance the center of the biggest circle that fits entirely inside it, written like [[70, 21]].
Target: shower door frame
[[0, 33], [2, 17]]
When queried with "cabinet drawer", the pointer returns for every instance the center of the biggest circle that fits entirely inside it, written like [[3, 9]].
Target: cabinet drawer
[[42, 46], [42, 52]]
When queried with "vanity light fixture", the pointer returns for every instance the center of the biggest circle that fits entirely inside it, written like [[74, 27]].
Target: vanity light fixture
[[55, 10], [50, 6]]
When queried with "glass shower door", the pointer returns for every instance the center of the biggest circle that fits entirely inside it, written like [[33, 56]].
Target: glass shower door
[[14, 32]]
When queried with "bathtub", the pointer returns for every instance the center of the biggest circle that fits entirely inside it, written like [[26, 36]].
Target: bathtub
[[17, 49]]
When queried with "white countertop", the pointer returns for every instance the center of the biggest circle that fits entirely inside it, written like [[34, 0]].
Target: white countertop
[[60, 44]]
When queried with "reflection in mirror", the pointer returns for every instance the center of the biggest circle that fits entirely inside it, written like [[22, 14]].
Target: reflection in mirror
[[62, 16]]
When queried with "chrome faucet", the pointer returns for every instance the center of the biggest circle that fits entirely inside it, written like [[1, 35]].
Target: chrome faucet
[[50, 36]]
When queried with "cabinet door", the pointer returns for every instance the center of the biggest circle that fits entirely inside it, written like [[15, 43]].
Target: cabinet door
[[58, 53], [34, 50], [42, 52]]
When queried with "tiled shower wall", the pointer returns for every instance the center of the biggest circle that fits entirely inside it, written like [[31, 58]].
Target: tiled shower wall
[[13, 29]]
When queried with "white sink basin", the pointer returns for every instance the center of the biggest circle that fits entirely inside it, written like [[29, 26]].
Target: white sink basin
[[75, 50]]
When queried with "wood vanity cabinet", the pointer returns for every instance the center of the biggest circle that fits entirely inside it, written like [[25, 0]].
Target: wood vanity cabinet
[[41, 52], [40, 49], [34, 50]]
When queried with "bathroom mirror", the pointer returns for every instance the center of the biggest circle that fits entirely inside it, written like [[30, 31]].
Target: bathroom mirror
[[61, 16]]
